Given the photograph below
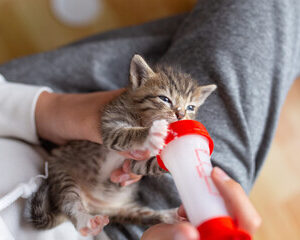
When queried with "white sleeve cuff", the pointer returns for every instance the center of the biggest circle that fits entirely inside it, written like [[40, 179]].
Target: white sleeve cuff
[[17, 110]]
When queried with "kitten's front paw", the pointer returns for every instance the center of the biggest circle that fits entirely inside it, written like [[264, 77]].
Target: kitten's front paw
[[170, 216], [156, 138], [92, 225]]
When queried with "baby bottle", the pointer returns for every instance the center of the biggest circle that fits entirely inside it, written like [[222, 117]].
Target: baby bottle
[[186, 156]]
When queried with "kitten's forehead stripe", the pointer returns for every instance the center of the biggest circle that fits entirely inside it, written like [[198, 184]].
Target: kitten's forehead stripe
[[162, 86], [173, 84], [147, 109], [145, 98], [181, 83], [190, 90]]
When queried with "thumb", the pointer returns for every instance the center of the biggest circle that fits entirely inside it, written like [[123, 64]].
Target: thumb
[[237, 201], [178, 231]]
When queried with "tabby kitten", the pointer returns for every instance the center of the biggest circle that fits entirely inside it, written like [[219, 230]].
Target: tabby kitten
[[79, 188]]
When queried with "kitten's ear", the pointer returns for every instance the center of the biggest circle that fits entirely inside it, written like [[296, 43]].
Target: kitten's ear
[[139, 71], [204, 91]]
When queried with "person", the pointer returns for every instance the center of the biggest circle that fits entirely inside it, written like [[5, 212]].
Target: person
[[249, 49]]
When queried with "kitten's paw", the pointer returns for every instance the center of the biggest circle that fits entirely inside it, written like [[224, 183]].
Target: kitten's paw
[[156, 138], [92, 225], [170, 216]]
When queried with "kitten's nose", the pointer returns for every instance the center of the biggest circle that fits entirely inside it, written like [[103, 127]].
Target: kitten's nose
[[180, 114]]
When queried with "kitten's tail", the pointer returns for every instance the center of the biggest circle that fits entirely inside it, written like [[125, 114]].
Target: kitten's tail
[[39, 210]]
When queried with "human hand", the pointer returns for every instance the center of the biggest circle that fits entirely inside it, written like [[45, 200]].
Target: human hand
[[123, 175], [63, 117], [237, 203]]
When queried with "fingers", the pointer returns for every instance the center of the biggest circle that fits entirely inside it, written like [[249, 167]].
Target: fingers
[[118, 176], [126, 166], [124, 176], [237, 201], [132, 179], [181, 212], [125, 179], [178, 231]]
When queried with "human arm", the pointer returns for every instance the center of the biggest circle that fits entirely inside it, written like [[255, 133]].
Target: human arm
[[17, 108], [64, 117], [28, 112], [236, 201]]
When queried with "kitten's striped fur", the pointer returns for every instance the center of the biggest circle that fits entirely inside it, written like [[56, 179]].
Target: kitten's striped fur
[[79, 188]]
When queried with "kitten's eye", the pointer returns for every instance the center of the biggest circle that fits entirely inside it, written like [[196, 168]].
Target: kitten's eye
[[190, 107], [165, 99]]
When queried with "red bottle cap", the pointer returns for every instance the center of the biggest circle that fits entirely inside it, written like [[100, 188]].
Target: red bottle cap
[[222, 228], [182, 128]]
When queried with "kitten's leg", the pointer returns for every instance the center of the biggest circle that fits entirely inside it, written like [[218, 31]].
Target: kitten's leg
[[145, 216], [138, 138], [125, 138], [147, 167], [156, 138], [155, 142], [66, 195]]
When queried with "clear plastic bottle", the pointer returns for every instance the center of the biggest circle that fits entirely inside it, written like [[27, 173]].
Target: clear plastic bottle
[[187, 157]]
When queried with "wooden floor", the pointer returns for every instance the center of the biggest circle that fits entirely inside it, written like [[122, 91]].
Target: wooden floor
[[276, 194], [29, 26]]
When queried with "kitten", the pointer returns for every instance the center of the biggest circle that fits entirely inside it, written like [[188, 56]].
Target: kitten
[[79, 188]]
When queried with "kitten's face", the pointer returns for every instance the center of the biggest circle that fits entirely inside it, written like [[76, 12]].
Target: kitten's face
[[165, 93]]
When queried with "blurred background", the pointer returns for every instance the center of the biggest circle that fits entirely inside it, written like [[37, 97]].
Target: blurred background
[[32, 26]]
